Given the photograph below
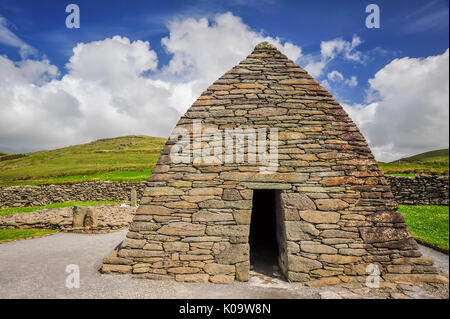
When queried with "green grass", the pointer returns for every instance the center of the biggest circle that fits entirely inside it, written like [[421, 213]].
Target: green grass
[[128, 158], [132, 158], [428, 223], [439, 168], [432, 156], [17, 210], [434, 162], [15, 234]]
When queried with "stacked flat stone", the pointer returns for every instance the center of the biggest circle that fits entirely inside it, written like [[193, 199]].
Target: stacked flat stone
[[337, 211], [28, 196], [420, 190], [109, 218]]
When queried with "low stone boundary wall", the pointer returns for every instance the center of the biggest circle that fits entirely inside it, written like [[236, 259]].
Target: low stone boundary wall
[[17, 196], [419, 190], [109, 217]]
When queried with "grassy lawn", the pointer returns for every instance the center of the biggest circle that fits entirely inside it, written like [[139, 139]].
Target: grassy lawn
[[15, 234], [428, 223], [128, 158], [404, 168], [132, 158], [16, 210], [113, 176]]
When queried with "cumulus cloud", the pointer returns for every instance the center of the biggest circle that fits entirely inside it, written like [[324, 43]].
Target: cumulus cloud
[[329, 51], [337, 79], [335, 76], [352, 82], [115, 87], [202, 50], [409, 107], [103, 94]]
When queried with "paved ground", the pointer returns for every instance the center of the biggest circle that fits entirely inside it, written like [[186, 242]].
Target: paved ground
[[36, 268]]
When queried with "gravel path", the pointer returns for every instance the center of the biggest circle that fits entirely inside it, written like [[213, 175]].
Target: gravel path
[[35, 268]]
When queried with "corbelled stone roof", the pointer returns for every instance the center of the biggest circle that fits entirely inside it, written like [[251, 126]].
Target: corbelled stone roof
[[337, 211]]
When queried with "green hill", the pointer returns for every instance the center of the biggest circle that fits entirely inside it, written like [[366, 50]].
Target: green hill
[[3, 154], [433, 162], [132, 158], [128, 158], [433, 156]]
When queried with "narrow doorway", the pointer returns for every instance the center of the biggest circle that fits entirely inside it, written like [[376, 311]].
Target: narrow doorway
[[264, 252]]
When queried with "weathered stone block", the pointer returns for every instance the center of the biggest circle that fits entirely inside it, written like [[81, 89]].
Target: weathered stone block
[[302, 264], [318, 249], [182, 229], [175, 246], [318, 217], [242, 271], [211, 216], [79, 213], [163, 191], [228, 230], [331, 204], [384, 234], [232, 254], [219, 269], [338, 259], [294, 232], [297, 200], [123, 269]]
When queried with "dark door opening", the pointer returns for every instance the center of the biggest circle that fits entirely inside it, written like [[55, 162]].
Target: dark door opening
[[263, 233]]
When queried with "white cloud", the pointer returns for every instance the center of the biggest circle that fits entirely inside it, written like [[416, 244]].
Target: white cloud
[[335, 76], [329, 51], [114, 87], [10, 39], [198, 45], [338, 79], [103, 94], [410, 107], [352, 82]]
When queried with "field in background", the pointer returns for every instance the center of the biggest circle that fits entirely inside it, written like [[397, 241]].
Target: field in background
[[132, 158], [128, 158], [429, 224], [434, 162]]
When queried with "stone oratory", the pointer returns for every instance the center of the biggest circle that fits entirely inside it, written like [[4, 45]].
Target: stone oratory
[[318, 205]]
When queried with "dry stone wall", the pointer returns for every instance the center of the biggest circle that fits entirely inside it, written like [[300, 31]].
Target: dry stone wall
[[420, 190], [16, 196], [107, 218]]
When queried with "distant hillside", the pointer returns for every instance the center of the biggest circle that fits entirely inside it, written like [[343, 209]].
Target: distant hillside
[[433, 156], [3, 153], [132, 158], [434, 162], [123, 158]]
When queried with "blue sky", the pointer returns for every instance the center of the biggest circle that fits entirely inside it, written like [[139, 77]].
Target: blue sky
[[410, 29]]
